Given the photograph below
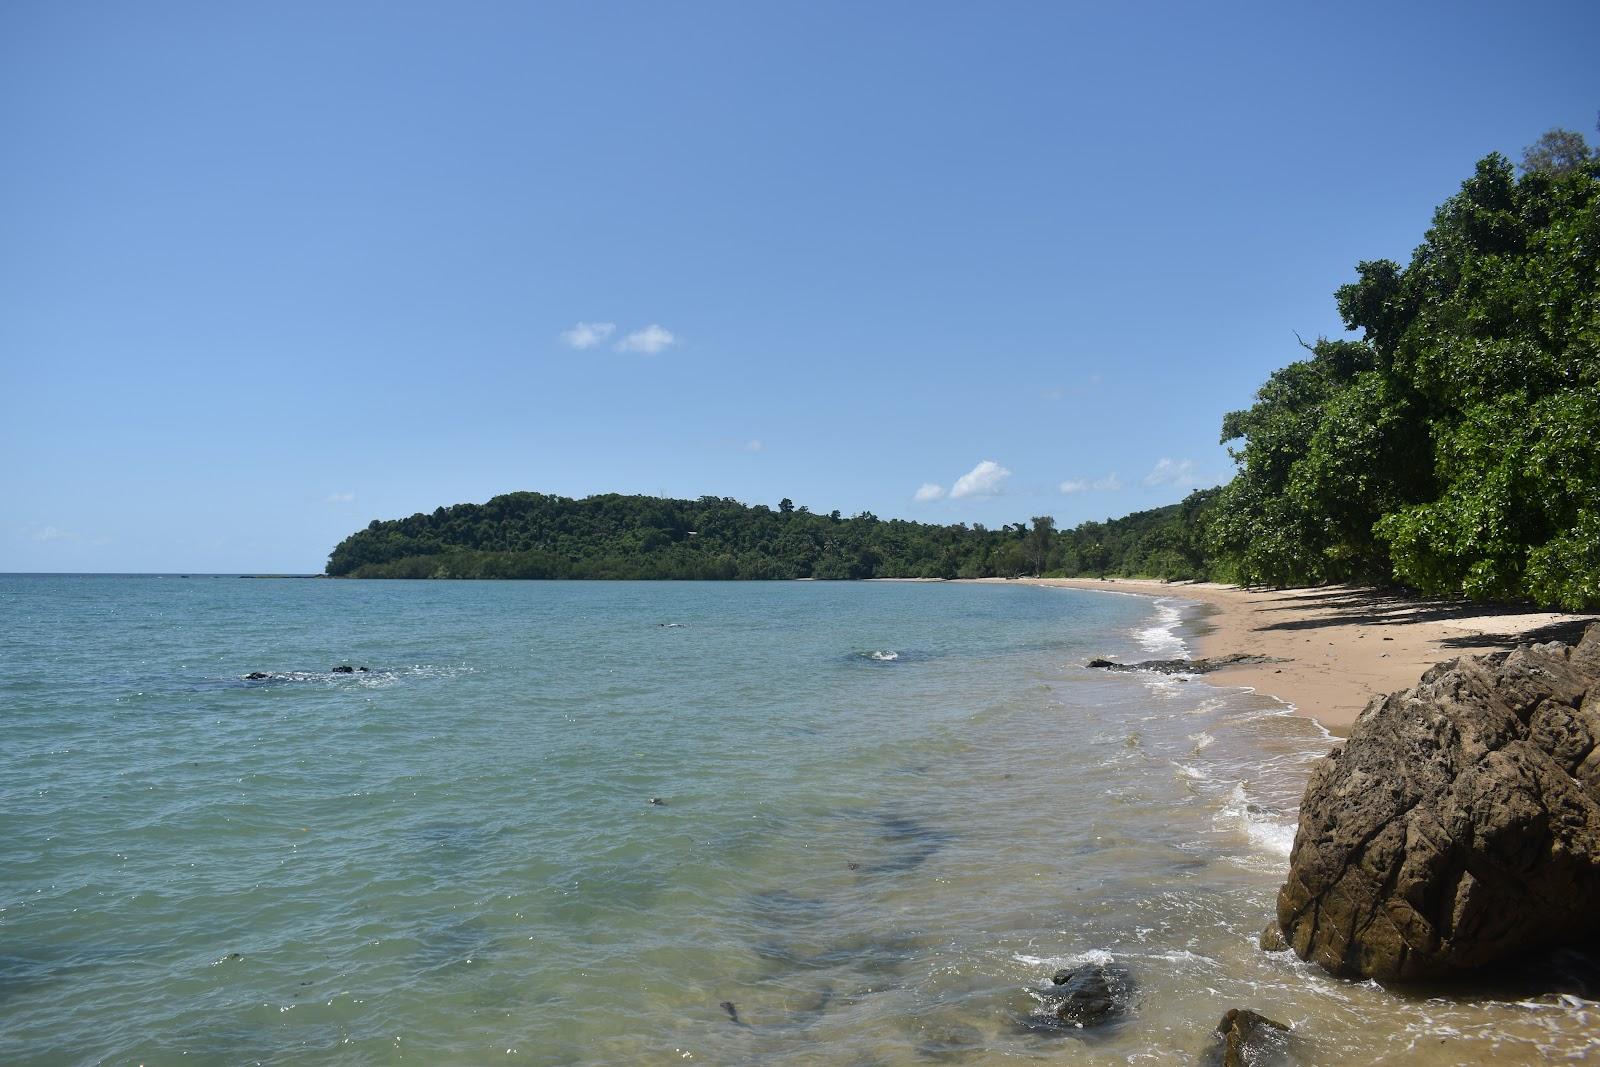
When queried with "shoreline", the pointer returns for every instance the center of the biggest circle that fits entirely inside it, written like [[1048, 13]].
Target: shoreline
[[1342, 645]]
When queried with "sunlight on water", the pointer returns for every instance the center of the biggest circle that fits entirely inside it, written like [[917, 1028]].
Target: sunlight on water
[[571, 823]]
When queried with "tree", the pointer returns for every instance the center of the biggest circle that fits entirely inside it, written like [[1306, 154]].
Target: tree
[[1039, 541], [1456, 446], [1558, 151], [786, 505]]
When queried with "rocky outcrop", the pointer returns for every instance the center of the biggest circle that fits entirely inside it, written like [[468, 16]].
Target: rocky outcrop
[[1249, 1038], [1079, 998], [1184, 666], [1088, 995], [1459, 824]]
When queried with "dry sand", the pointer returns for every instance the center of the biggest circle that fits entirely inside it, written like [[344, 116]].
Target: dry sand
[[1344, 645]]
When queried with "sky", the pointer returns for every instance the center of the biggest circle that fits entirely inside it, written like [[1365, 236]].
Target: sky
[[271, 271]]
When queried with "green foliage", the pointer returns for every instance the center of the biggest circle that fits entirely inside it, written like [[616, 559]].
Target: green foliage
[[530, 535], [1456, 447]]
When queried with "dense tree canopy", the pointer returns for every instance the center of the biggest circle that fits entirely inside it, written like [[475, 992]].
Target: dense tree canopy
[[1455, 448], [530, 535]]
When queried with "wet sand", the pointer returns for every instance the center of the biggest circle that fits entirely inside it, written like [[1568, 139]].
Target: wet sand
[[1343, 644]]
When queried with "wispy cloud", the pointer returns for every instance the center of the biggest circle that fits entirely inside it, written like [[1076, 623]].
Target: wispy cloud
[[340, 498], [54, 533], [1177, 472], [1110, 483], [929, 491], [649, 341], [983, 480], [588, 334], [753, 445]]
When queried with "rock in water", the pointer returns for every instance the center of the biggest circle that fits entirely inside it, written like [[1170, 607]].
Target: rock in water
[[1248, 1037], [1459, 824], [1087, 995], [1272, 940], [1185, 666]]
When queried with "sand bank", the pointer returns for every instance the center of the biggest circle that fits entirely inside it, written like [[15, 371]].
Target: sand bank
[[1344, 644]]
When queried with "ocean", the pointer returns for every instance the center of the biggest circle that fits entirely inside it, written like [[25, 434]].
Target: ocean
[[597, 823]]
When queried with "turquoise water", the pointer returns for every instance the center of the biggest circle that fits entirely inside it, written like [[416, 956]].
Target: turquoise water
[[888, 811]]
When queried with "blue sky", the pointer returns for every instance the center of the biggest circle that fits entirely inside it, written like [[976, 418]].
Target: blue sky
[[269, 271]]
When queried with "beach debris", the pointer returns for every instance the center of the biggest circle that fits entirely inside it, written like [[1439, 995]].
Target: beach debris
[[1248, 1038], [1185, 666], [1459, 824]]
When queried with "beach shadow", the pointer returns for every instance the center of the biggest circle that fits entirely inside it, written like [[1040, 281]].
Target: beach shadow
[[1570, 632], [1341, 608]]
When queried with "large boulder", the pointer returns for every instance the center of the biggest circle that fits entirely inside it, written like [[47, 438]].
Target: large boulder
[[1459, 824]]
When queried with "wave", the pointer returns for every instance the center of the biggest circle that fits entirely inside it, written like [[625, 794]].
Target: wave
[[1098, 956], [883, 655], [1262, 827], [1162, 637]]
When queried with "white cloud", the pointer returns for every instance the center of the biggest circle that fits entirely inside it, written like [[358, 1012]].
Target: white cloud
[[588, 334], [650, 340], [52, 533], [929, 491], [754, 445], [1178, 472], [341, 498], [983, 480], [1110, 483]]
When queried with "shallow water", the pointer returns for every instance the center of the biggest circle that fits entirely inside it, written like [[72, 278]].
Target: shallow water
[[889, 812]]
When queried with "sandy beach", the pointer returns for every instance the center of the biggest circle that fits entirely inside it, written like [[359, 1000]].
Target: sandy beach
[[1342, 645]]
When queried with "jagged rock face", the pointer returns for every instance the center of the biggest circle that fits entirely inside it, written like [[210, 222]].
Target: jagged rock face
[[1459, 824]]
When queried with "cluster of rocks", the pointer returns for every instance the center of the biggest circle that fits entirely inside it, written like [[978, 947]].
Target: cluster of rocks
[[1459, 825], [343, 668], [1096, 995], [1184, 666]]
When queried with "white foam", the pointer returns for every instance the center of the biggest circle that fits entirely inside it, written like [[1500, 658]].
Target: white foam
[[1097, 956], [1162, 637], [884, 657], [1264, 833], [1202, 741]]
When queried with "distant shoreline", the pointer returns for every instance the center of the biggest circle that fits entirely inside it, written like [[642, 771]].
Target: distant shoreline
[[1344, 644]]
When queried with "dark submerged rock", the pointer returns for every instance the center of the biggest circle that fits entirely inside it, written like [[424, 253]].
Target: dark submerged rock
[[1184, 666], [1082, 997], [1460, 823], [1249, 1039], [257, 676], [344, 668]]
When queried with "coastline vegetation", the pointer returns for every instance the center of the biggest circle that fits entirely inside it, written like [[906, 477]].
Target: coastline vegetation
[[532, 535], [1453, 448]]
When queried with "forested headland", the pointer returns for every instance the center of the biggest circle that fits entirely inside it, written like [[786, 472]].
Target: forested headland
[[1452, 447]]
